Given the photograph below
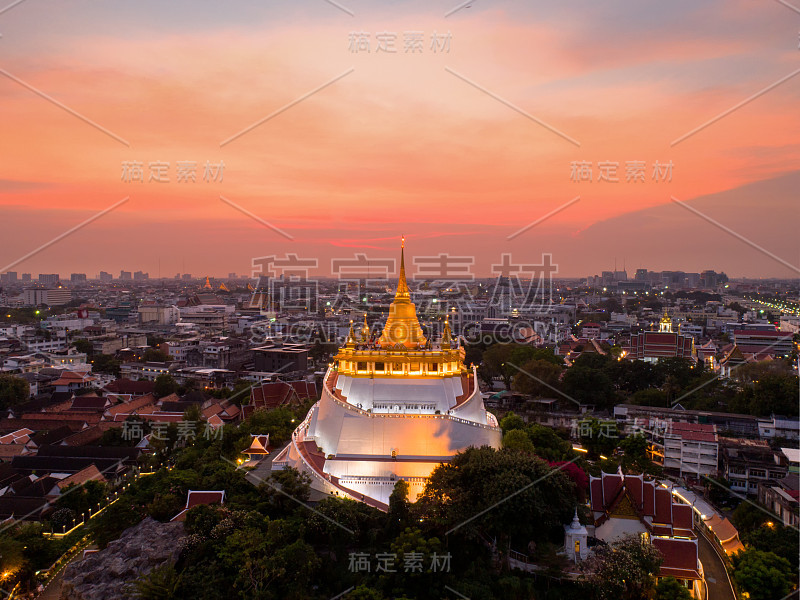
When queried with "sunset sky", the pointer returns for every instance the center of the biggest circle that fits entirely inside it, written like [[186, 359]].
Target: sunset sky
[[401, 143]]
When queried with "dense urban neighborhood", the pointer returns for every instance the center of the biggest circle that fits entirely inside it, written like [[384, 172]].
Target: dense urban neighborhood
[[203, 437]]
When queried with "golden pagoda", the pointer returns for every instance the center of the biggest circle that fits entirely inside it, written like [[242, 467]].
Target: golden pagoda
[[402, 326], [389, 409], [402, 349]]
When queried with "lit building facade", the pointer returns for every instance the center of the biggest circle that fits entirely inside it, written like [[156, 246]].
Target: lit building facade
[[392, 407]]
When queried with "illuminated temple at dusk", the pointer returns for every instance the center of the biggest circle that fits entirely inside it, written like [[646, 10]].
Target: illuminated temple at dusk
[[392, 407]]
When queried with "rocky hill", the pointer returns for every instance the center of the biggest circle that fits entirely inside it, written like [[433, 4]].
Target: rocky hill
[[106, 574]]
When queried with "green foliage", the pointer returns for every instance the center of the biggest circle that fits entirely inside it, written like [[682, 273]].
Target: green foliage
[[159, 584], [155, 355], [13, 391], [670, 589], [517, 439], [83, 345], [202, 519], [81, 498], [511, 421], [598, 437], [12, 557], [764, 575], [589, 385], [748, 517], [278, 423], [105, 363], [479, 478], [165, 385], [399, 510], [778, 539], [624, 570], [165, 506], [538, 378]]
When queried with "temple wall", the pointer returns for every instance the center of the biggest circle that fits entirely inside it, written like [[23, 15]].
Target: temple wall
[[345, 431]]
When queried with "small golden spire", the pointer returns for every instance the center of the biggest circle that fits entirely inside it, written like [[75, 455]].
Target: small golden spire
[[365, 330], [402, 284], [447, 335], [351, 337], [402, 326]]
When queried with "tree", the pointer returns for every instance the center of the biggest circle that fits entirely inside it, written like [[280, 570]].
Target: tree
[[13, 391], [589, 386], [650, 397], [105, 363], [537, 378], [547, 443], [165, 385], [517, 439], [81, 498], [598, 437], [511, 421], [635, 453], [399, 506], [624, 570], [776, 538], [670, 589], [155, 355], [12, 557], [479, 478], [83, 345], [764, 575], [748, 517], [159, 584]]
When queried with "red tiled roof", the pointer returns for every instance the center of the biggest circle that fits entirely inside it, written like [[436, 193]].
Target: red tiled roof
[[680, 558], [148, 400], [596, 491], [635, 487], [196, 498], [90, 473], [663, 506], [611, 487], [682, 516]]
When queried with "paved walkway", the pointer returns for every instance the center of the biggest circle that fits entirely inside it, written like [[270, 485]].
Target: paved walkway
[[53, 591], [719, 586]]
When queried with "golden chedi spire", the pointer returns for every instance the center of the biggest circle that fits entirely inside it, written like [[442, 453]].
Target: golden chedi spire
[[350, 342], [402, 326], [447, 335], [365, 330]]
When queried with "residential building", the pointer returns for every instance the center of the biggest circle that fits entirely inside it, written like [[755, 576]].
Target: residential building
[[685, 449], [746, 463], [281, 357], [48, 296], [781, 498]]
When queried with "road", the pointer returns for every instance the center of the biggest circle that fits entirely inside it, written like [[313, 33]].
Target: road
[[719, 586]]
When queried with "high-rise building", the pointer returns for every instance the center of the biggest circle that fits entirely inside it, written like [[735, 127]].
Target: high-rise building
[[125, 275], [9, 277], [140, 276], [78, 277], [106, 276], [48, 296], [49, 278], [392, 407], [26, 277]]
